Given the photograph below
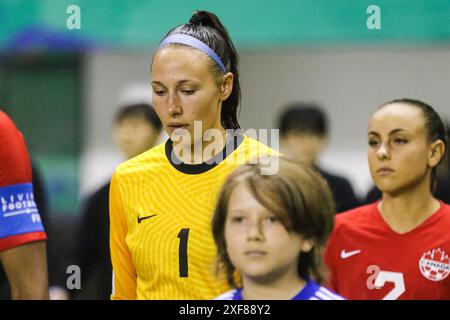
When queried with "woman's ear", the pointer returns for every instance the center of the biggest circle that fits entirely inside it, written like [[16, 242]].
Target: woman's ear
[[226, 86], [436, 152], [307, 245]]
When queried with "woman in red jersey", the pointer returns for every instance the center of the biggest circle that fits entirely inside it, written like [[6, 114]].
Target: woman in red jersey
[[398, 247]]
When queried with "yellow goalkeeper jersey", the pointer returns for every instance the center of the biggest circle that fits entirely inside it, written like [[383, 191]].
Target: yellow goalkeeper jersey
[[160, 222]]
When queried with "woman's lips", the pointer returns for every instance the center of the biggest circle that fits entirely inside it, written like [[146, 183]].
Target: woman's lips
[[173, 127], [385, 171], [255, 253]]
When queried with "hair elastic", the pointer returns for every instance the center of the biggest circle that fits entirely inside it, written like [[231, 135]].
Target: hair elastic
[[196, 20], [193, 42]]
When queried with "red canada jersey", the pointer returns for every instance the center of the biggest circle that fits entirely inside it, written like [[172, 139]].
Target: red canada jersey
[[368, 260]]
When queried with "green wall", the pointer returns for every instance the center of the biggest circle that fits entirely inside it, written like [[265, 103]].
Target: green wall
[[260, 24], [42, 95]]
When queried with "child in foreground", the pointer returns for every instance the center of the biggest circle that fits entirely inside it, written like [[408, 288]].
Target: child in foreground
[[270, 231]]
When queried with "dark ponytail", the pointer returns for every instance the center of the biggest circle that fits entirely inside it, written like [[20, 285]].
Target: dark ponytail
[[206, 27]]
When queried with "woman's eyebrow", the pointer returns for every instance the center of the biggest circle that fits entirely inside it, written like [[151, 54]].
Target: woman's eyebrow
[[394, 131]]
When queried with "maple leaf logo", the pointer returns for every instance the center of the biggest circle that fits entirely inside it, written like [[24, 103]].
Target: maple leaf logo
[[435, 265]]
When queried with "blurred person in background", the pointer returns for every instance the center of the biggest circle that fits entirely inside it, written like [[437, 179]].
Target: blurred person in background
[[303, 135], [23, 252], [136, 130]]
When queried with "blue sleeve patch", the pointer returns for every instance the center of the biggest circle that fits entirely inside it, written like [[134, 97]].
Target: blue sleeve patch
[[18, 211]]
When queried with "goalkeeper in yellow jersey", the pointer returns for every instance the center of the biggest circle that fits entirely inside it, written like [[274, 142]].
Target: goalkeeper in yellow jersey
[[161, 202]]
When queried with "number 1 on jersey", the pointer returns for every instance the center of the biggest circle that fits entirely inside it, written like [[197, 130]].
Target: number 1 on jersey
[[182, 251]]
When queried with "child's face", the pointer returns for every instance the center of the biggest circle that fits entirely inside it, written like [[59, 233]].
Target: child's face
[[258, 244]]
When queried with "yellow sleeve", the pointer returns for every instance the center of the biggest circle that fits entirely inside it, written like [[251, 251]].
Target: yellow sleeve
[[124, 273]]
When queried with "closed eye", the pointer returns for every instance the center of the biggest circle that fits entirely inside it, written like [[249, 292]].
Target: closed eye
[[159, 92], [400, 141], [188, 92]]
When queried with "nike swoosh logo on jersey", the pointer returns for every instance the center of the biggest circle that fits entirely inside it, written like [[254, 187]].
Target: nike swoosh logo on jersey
[[345, 254], [139, 219]]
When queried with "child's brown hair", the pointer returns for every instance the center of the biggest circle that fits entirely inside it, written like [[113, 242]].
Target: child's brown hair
[[299, 196]]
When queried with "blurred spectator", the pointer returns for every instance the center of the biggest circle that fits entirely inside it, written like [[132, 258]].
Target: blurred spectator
[[441, 189], [303, 135], [137, 128]]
